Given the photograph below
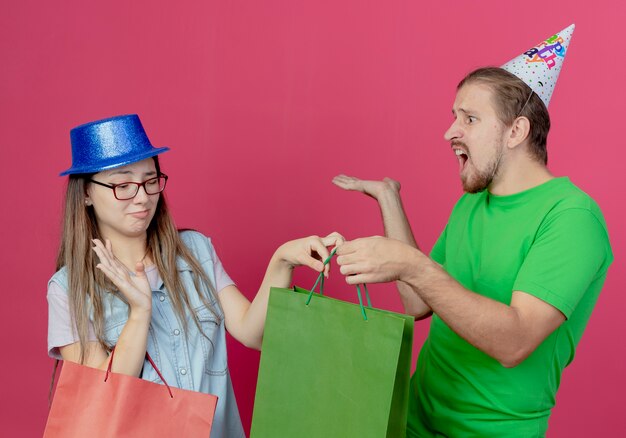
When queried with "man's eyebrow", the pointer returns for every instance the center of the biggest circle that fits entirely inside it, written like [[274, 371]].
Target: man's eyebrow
[[461, 110]]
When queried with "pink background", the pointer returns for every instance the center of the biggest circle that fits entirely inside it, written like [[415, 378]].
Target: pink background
[[262, 104]]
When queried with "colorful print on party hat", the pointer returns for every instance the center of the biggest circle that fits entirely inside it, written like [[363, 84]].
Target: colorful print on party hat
[[539, 66]]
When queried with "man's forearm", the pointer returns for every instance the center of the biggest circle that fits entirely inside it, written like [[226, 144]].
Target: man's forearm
[[394, 217], [497, 329], [397, 227]]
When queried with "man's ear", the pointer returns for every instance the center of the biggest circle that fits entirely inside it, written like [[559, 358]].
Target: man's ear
[[519, 132]]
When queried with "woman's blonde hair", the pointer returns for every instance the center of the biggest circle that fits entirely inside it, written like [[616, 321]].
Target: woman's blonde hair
[[87, 284]]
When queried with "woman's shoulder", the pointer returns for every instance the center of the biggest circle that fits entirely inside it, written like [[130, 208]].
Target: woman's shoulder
[[193, 237], [198, 243], [59, 278]]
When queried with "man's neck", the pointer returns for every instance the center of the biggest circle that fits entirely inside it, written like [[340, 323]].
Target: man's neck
[[519, 175]]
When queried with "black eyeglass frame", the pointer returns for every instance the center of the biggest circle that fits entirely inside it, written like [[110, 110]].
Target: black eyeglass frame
[[139, 185]]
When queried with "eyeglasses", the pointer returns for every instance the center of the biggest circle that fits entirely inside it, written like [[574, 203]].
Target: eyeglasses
[[128, 190]]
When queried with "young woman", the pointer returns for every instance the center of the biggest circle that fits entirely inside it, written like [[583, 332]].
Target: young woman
[[127, 278]]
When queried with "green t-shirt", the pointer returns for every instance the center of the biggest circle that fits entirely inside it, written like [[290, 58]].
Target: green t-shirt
[[551, 242]]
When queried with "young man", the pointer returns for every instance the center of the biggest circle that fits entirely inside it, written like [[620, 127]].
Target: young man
[[513, 278]]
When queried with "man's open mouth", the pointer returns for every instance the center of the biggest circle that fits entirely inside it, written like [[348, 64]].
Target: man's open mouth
[[462, 157]]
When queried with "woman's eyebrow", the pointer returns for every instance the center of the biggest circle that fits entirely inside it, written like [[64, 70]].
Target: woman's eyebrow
[[128, 172], [120, 172]]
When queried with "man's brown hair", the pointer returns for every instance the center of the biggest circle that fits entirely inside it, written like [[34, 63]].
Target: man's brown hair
[[513, 99]]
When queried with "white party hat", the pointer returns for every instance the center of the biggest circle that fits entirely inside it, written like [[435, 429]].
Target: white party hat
[[539, 66]]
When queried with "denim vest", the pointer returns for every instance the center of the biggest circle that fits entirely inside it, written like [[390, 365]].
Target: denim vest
[[190, 362]]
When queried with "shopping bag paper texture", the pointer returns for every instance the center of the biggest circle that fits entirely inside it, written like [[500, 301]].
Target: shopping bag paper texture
[[84, 405], [327, 372]]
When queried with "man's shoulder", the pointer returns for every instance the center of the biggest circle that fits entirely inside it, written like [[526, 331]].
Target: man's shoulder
[[468, 202], [568, 196], [548, 199]]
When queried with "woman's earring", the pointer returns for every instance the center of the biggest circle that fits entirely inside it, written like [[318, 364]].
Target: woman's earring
[[87, 202]]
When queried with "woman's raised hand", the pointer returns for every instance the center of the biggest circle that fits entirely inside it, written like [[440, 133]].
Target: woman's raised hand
[[135, 288]]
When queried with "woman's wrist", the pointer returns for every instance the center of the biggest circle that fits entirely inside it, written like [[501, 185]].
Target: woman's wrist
[[279, 261], [140, 315]]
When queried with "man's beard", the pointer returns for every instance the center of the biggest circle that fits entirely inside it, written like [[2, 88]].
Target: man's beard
[[478, 180]]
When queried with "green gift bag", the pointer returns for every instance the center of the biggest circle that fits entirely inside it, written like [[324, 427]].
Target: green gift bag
[[331, 369]]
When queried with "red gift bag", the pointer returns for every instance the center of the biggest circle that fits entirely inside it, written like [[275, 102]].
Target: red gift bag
[[89, 402]]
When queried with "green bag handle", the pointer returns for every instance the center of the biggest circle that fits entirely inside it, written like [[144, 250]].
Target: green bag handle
[[320, 281]]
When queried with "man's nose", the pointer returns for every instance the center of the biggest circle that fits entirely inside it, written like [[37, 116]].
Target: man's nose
[[454, 131]]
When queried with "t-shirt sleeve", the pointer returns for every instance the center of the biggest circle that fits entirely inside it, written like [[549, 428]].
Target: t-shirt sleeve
[[438, 253], [61, 328], [570, 251], [222, 279]]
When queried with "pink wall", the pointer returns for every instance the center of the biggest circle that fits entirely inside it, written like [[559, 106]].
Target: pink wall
[[262, 103]]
